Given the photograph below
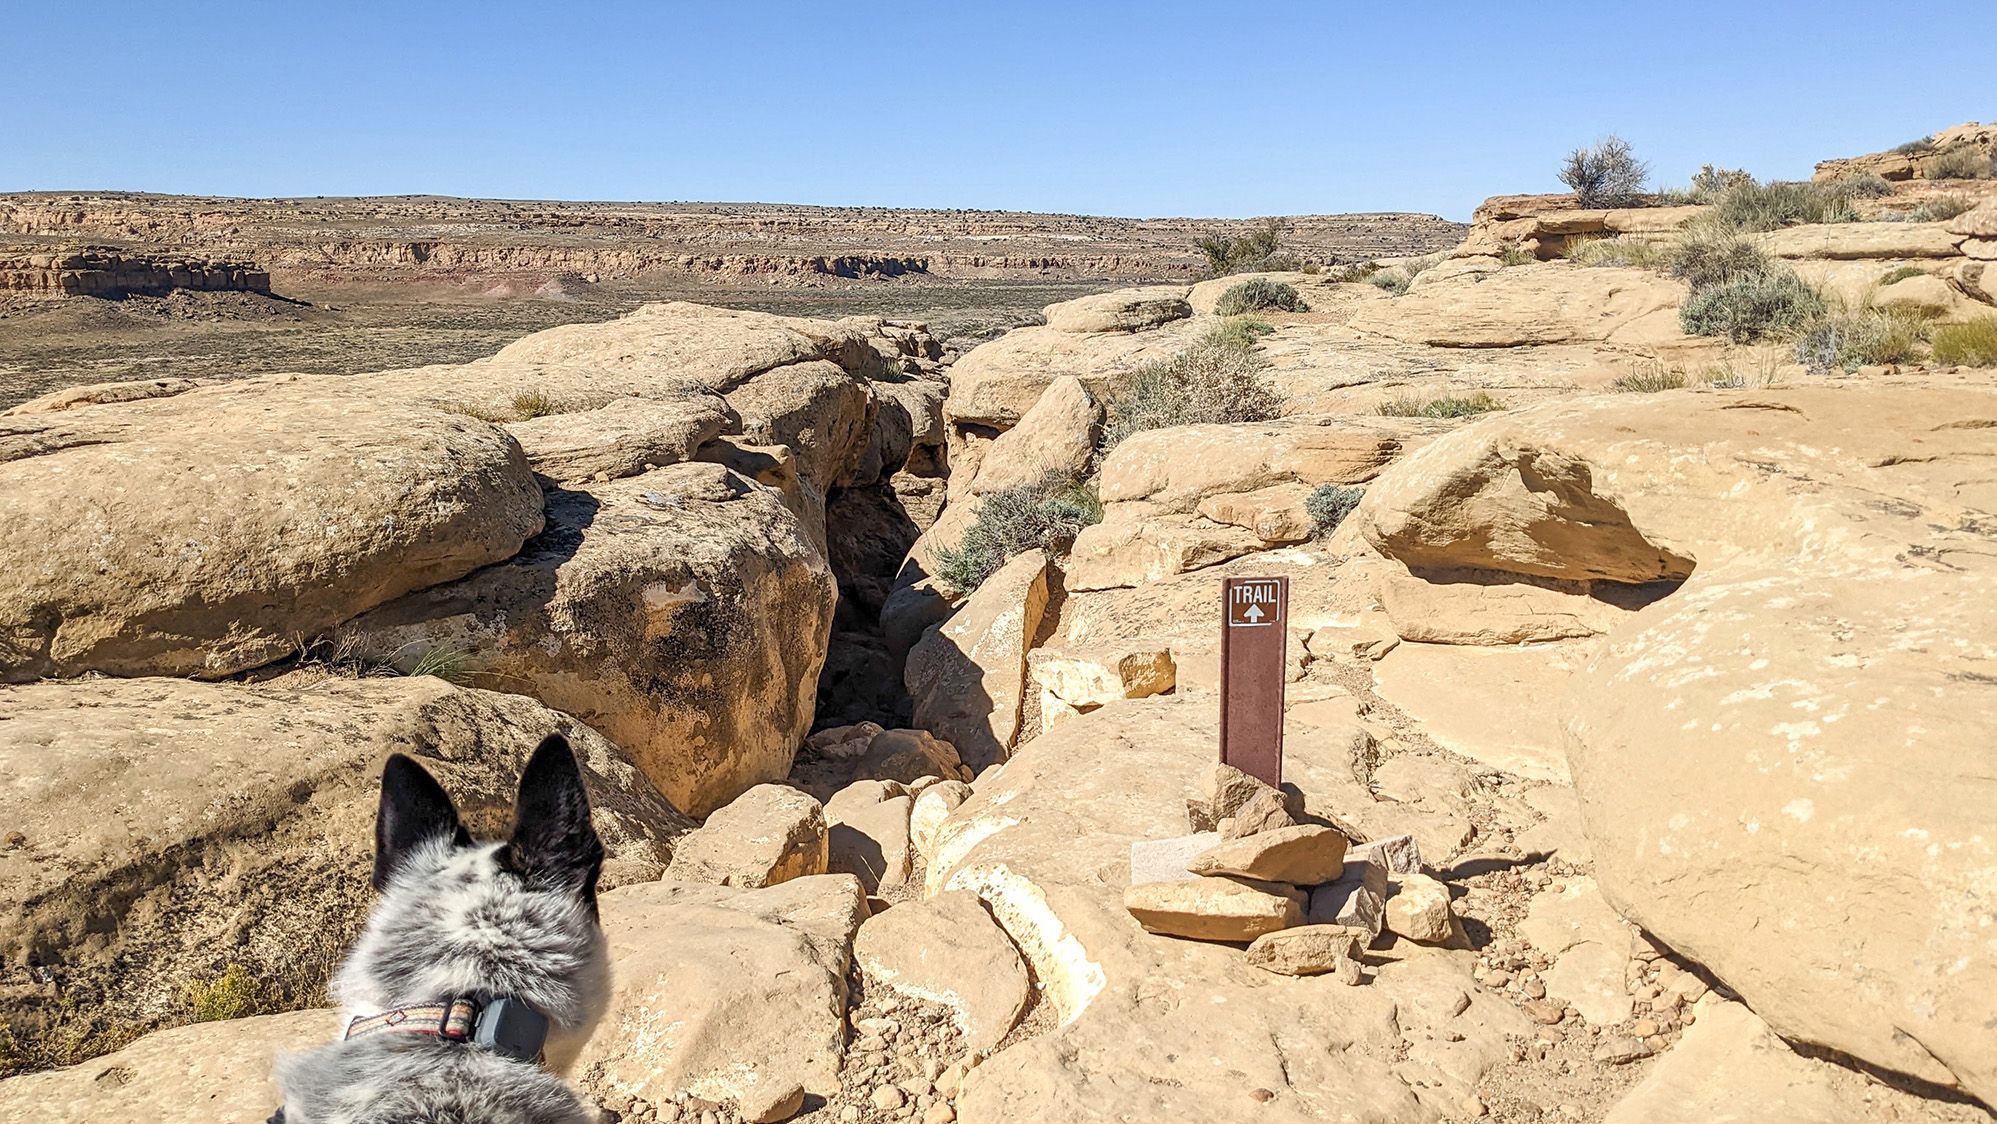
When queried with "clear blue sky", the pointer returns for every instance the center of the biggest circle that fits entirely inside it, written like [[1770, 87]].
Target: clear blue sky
[[1159, 108]]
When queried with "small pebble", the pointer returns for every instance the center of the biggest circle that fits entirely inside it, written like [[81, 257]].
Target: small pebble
[[887, 1098]]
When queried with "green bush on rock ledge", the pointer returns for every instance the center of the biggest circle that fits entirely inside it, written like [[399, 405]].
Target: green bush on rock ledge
[[1012, 521], [1258, 294]]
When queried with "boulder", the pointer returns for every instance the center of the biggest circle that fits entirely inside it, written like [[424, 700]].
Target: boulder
[[769, 834], [1492, 609], [684, 613], [968, 675], [1129, 549], [1728, 1069], [1214, 909], [871, 843], [212, 531], [1054, 441], [1304, 855], [1530, 305], [1276, 514], [1143, 1027], [1124, 310], [623, 437], [1085, 677], [932, 806], [1860, 240], [166, 829], [1309, 950], [1264, 812], [1357, 899], [1172, 470], [1419, 910], [188, 1075], [948, 950], [726, 994], [997, 382]]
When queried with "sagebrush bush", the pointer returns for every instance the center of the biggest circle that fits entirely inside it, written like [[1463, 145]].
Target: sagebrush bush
[[1258, 250], [1012, 521], [1964, 162], [1938, 208], [1709, 183], [1397, 279], [1259, 294], [1411, 405], [1900, 274], [1846, 339], [1515, 253], [1329, 504], [1755, 206], [1239, 332], [1651, 378], [1354, 272], [1972, 343], [1915, 147], [1635, 253], [1218, 379], [1750, 306], [1707, 256], [1606, 175], [228, 996]]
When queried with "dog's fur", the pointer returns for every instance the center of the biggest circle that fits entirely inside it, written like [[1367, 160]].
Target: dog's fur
[[458, 918]]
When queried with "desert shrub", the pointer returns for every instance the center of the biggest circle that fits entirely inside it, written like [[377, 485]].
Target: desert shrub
[[1915, 147], [1240, 331], [1217, 379], [1901, 274], [452, 665], [1443, 406], [1938, 208], [1637, 253], [1964, 162], [533, 404], [1707, 257], [1845, 340], [1012, 521], [1257, 250], [1606, 175], [1972, 343], [1310, 267], [1771, 206], [1397, 279], [1750, 306], [230, 995], [1515, 253], [1329, 504], [1650, 378], [1709, 183], [1257, 294], [1354, 272]]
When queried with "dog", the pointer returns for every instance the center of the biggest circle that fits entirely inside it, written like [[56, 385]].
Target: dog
[[481, 971]]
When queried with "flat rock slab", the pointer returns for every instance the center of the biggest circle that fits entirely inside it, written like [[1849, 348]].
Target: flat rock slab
[[1214, 909], [730, 995], [948, 950], [1728, 1069], [1165, 860], [769, 834], [1304, 855], [1481, 715], [197, 1074], [1309, 950]]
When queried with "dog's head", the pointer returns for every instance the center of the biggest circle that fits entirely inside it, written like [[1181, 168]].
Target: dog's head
[[462, 918]]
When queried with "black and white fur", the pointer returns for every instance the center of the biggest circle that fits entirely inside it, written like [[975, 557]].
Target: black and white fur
[[458, 918]]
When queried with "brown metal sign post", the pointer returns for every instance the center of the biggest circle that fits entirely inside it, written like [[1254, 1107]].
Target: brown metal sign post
[[1255, 620]]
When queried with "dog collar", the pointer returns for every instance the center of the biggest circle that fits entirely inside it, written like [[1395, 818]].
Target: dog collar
[[507, 1026]]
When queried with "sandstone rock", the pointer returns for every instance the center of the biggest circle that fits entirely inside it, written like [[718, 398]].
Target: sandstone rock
[[996, 382], [1055, 440], [1419, 910], [1264, 812], [1531, 305], [189, 1075], [1169, 860], [1491, 609], [968, 675], [1860, 240], [1301, 856], [1128, 1009], [1225, 789], [1128, 549], [207, 532], [1494, 497], [1125, 310], [1308, 950], [904, 755], [1977, 222], [725, 994], [1399, 854], [1356, 899], [948, 950], [684, 613], [1730, 1070], [1214, 909], [1087, 677], [769, 834], [1479, 716], [1276, 514], [161, 820], [1926, 295], [768, 1104], [1171, 470], [622, 437], [1708, 830], [872, 844], [930, 809], [848, 801]]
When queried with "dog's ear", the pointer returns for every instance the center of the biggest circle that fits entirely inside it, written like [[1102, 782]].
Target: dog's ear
[[554, 846], [414, 810]]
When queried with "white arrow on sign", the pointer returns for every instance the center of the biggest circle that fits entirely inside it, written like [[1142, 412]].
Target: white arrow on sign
[[1253, 615]]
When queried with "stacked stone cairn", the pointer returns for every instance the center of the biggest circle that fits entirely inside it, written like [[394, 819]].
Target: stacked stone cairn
[[1301, 893]]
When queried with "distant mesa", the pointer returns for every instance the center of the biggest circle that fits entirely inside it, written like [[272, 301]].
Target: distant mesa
[[100, 272]]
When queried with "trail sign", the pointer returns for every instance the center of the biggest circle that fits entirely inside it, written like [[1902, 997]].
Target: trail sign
[[1254, 633]]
